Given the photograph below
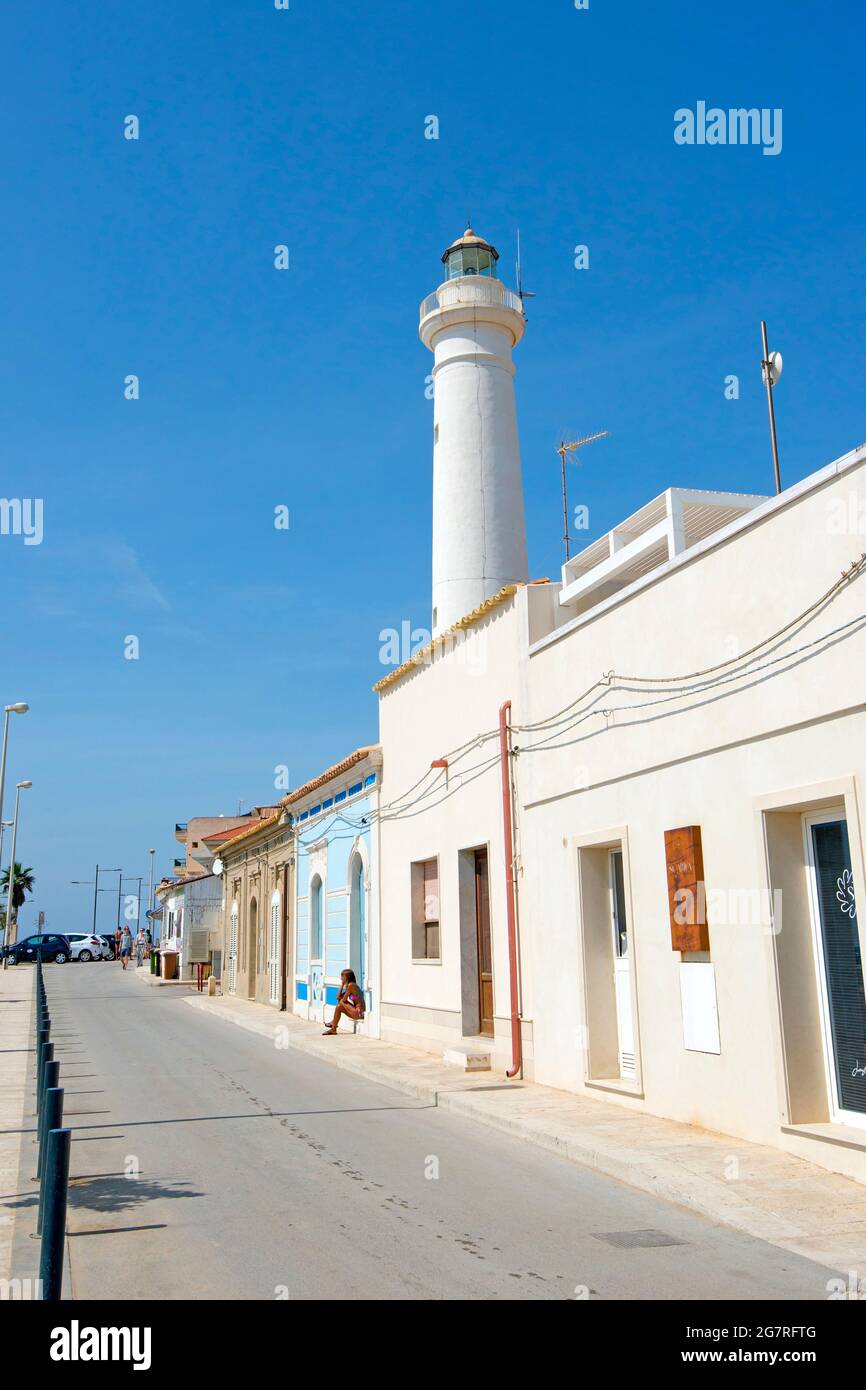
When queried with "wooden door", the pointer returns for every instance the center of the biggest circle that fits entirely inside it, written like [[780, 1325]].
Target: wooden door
[[485, 954]]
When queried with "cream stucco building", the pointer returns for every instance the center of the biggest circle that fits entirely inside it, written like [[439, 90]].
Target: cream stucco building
[[620, 833]]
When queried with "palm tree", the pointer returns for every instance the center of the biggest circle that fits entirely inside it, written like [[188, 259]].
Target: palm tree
[[24, 880]]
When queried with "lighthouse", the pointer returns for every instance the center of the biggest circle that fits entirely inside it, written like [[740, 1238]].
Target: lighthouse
[[471, 324]]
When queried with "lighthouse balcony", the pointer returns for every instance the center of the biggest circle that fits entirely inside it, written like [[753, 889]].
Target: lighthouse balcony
[[471, 290]]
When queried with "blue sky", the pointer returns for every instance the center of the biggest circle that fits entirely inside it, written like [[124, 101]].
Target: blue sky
[[305, 388]]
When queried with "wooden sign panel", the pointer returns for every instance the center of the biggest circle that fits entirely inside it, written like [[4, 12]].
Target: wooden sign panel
[[686, 892]]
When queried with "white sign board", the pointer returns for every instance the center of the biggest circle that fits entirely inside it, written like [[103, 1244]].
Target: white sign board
[[700, 1010]]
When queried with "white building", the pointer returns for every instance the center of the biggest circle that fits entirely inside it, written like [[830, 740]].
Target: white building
[[687, 722]]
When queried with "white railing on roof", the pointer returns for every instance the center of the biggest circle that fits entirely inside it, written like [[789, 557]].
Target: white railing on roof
[[471, 289]]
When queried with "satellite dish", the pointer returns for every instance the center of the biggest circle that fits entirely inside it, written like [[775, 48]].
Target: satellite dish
[[218, 867], [774, 367]]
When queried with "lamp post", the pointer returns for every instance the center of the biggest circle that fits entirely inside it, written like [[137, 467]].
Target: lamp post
[[771, 370], [130, 878], [151, 852], [139, 881], [96, 888], [19, 788], [19, 708]]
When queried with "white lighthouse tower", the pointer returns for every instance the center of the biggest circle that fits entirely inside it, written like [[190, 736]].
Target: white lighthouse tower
[[471, 324]]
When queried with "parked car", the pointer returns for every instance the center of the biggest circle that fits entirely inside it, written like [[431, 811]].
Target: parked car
[[108, 938], [86, 946], [47, 947]]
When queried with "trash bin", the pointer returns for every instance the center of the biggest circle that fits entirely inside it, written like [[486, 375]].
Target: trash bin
[[169, 965], [154, 962]]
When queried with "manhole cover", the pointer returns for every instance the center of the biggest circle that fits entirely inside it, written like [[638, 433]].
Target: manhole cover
[[629, 1240]]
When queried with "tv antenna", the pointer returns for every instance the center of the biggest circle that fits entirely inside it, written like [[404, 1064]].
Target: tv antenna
[[565, 448]]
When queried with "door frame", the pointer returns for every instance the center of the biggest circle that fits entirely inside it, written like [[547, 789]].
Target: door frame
[[619, 958], [599, 1044], [318, 988], [838, 1115], [482, 1033]]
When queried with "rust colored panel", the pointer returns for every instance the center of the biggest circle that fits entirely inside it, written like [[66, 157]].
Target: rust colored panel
[[686, 892]]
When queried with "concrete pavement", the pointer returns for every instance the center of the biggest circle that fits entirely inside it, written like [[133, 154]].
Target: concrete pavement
[[762, 1191], [17, 996], [209, 1163]]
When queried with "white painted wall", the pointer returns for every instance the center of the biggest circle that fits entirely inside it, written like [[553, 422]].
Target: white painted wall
[[423, 717], [710, 758]]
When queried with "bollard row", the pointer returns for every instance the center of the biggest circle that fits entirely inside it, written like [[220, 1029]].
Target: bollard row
[[53, 1141]]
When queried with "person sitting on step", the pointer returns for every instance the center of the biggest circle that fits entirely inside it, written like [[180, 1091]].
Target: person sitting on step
[[350, 1002]]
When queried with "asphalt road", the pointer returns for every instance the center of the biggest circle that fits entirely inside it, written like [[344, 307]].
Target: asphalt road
[[207, 1164]]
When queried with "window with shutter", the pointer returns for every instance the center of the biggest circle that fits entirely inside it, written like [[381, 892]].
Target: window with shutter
[[425, 910]]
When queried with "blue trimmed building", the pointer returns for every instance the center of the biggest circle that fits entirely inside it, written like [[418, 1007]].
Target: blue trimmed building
[[336, 917]]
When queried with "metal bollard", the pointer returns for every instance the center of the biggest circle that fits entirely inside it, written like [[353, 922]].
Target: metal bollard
[[41, 1040], [54, 1110], [54, 1215], [52, 1082], [47, 1056]]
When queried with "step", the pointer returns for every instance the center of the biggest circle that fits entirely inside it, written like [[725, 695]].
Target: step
[[468, 1057]]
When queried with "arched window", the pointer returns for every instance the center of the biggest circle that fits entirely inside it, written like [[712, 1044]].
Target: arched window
[[316, 919], [357, 918]]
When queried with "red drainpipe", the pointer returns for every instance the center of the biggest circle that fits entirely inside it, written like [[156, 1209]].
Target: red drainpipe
[[516, 1040]]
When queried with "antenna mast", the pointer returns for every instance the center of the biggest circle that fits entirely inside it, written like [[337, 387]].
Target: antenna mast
[[566, 448]]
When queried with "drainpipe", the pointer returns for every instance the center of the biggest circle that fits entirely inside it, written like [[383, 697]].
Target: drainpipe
[[285, 942], [504, 753]]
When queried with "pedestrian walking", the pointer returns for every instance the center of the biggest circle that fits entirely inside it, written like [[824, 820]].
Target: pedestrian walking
[[140, 945], [117, 935], [125, 946]]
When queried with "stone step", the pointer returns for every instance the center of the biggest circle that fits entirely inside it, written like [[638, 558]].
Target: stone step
[[468, 1057]]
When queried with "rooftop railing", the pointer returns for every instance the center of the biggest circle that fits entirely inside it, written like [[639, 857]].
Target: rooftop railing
[[471, 289]]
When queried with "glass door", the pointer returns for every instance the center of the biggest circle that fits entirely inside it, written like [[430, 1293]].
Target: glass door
[[839, 966]]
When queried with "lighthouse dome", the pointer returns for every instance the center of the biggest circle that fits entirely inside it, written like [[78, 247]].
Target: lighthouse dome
[[470, 255]]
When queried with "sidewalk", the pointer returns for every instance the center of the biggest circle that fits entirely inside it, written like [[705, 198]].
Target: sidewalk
[[17, 995], [777, 1198]]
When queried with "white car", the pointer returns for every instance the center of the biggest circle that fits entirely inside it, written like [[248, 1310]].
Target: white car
[[84, 946]]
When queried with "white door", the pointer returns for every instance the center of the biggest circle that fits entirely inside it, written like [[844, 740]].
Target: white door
[[274, 951], [317, 992], [838, 964], [621, 967], [233, 952], [317, 949]]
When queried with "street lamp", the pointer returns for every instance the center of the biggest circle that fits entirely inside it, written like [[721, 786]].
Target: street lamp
[[96, 888], [19, 708], [151, 852], [19, 788]]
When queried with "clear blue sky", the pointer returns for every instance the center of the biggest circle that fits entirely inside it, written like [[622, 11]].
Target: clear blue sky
[[306, 388]]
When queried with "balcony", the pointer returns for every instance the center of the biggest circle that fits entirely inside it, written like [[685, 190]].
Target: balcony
[[469, 290], [666, 527]]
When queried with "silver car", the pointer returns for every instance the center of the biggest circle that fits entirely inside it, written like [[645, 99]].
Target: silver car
[[84, 946]]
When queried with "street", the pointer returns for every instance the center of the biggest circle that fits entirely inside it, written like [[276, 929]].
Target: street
[[206, 1163]]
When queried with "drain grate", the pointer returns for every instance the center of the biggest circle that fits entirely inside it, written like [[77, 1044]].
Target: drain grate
[[630, 1240]]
